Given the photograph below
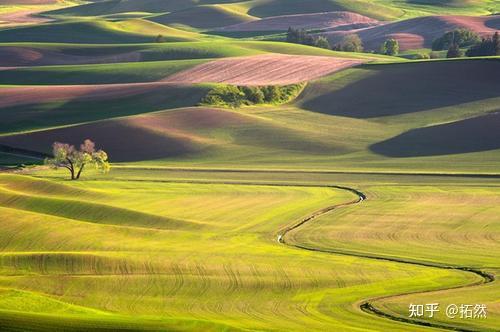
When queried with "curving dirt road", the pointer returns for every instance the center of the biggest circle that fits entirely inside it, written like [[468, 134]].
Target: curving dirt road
[[367, 306]]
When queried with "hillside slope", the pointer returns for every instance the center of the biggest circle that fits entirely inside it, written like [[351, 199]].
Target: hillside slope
[[419, 32]]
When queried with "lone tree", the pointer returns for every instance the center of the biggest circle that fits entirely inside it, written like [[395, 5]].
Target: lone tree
[[67, 156], [390, 47]]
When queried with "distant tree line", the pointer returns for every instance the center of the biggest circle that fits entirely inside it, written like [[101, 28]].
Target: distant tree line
[[455, 41], [301, 36], [349, 43], [237, 96], [487, 46]]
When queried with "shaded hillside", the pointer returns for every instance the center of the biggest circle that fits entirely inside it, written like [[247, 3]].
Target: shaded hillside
[[37, 107], [470, 135], [177, 133], [386, 90]]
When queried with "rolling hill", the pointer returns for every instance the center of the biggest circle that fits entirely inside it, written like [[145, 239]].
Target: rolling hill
[[374, 186], [269, 69], [359, 103], [316, 21], [95, 31], [203, 17], [419, 32]]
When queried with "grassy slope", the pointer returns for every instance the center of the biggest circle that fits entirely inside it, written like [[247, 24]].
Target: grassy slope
[[95, 31], [379, 9], [194, 50], [143, 266], [203, 17], [133, 72], [354, 134], [65, 112], [416, 223], [146, 271]]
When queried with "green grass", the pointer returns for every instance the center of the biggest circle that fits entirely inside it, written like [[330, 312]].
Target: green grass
[[66, 112], [67, 53], [348, 121], [203, 17], [181, 235], [133, 72], [379, 9], [237, 276], [96, 31]]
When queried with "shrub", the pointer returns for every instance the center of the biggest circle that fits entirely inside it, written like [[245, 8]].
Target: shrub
[[390, 47], [253, 94], [272, 94], [322, 42], [421, 56], [236, 96], [487, 46], [223, 95], [434, 55], [301, 36], [461, 37], [350, 43]]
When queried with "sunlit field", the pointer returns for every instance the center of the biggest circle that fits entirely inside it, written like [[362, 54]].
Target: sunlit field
[[261, 165], [169, 250]]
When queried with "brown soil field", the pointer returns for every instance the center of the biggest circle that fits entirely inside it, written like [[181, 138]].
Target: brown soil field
[[419, 32], [263, 70], [28, 56], [322, 21]]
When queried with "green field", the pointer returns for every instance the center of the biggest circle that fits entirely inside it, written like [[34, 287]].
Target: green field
[[142, 267], [375, 188]]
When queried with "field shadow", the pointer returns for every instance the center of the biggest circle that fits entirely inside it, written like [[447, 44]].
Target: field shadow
[[406, 88], [470, 135], [123, 143]]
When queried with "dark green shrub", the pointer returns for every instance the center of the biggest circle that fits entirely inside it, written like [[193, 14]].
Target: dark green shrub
[[253, 94], [236, 96], [487, 47], [461, 37], [350, 43]]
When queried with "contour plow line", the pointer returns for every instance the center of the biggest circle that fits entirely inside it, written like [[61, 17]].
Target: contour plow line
[[367, 305]]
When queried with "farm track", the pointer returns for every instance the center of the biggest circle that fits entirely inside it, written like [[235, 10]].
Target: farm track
[[367, 305]]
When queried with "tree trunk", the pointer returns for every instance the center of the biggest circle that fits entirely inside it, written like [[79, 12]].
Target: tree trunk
[[71, 168], [80, 171]]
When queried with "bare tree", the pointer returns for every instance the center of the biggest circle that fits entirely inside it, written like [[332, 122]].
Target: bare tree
[[74, 160]]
